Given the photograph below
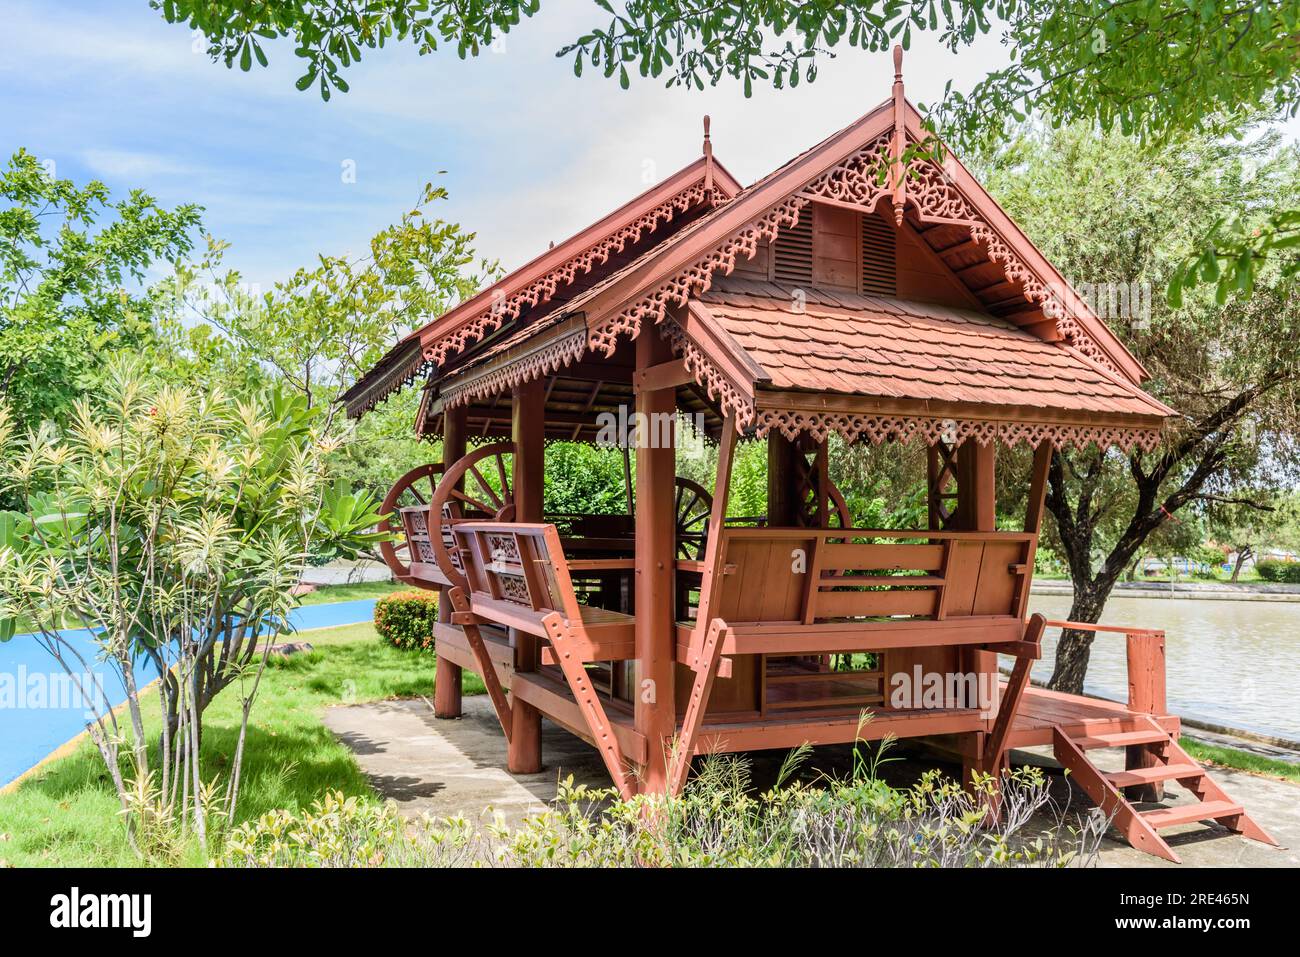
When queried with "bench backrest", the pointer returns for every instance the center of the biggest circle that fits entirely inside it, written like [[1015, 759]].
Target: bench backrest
[[812, 576], [519, 563]]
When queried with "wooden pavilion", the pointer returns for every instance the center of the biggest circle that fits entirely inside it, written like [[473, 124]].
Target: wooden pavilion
[[868, 289]]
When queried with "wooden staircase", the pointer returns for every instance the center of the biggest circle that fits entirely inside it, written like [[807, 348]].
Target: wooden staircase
[[1164, 760]]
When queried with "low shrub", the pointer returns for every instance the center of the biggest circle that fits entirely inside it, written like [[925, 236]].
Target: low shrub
[[405, 619], [1272, 570], [718, 821]]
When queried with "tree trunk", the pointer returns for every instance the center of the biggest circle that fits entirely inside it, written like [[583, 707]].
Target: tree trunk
[[1242, 554], [1075, 647]]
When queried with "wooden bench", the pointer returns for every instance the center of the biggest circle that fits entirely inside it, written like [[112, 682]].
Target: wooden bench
[[792, 592], [800, 591], [517, 576]]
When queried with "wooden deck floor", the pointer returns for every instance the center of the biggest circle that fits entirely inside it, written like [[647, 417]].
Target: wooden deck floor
[[1076, 714], [1040, 711]]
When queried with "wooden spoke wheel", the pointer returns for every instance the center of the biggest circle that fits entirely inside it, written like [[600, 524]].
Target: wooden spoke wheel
[[840, 516], [837, 509], [413, 490], [477, 488], [692, 506]]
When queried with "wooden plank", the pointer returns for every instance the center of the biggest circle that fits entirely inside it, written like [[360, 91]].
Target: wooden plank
[[705, 664], [797, 640], [908, 557], [528, 433], [487, 671], [1009, 706], [447, 675], [1146, 694], [653, 699], [560, 635], [791, 732], [866, 604], [553, 700]]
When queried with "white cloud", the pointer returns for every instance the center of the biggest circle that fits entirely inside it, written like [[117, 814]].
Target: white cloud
[[135, 166]]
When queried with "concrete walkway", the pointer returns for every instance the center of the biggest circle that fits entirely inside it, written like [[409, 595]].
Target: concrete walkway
[[458, 767]]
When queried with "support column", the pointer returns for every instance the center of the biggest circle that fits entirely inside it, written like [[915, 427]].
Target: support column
[[782, 476], [447, 676], [656, 468], [977, 512], [528, 431]]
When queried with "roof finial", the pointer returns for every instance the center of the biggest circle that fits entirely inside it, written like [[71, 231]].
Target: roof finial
[[899, 172], [708, 156]]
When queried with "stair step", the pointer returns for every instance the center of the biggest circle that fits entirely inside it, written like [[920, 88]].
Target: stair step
[[1120, 739], [1186, 814], [1162, 772]]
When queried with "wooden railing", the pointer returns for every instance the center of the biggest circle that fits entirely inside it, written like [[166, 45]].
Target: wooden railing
[[819, 587], [1145, 652], [518, 577]]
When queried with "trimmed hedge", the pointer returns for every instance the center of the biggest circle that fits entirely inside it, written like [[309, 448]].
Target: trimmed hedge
[[405, 619], [1272, 570]]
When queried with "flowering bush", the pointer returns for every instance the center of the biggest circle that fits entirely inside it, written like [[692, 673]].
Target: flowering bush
[[405, 619]]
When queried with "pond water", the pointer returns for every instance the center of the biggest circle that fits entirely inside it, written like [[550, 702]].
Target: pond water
[[1229, 662], [40, 709]]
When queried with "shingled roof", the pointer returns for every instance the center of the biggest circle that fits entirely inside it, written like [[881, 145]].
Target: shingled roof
[[1027, 360]]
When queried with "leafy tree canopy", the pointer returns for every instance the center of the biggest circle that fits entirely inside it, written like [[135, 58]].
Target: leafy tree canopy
[[72, 261]]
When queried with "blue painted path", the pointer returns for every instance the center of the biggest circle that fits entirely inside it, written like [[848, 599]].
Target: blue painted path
[[40, 709]]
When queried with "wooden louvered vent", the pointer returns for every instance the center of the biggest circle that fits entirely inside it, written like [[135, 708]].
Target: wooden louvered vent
[[878, 255], [792, 259]]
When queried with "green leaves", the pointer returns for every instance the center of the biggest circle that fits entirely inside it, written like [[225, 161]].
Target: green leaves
[[71, 261], [330, 37], [1233, 253]]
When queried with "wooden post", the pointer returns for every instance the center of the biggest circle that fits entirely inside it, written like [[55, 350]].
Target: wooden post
[[782, 509], [655, 714], [447, 676], [1034, 519], [977, 512], [1146, 695], [524, 754]]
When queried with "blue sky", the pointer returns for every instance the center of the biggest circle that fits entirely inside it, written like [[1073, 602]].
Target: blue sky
[[531, 153]]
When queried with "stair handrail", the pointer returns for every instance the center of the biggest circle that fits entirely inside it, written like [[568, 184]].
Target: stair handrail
[[1146, 663]]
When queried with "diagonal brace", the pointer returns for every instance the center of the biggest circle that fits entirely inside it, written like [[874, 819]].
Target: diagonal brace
[[602, 732], [469, 623]]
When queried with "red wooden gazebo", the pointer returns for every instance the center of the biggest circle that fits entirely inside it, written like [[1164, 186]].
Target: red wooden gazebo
[[867, 290]]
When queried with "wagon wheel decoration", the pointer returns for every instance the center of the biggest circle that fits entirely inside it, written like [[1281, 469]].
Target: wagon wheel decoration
[[806, 488], [413, 490], [467, 493], [691, 507]]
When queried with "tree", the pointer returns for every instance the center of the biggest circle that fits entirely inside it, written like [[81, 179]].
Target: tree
[[1267, 518], [171, 522], [71, 264], [315, 332], [1116, 215], [321, 328]]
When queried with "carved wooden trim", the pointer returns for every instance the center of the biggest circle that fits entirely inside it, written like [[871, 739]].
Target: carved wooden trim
[[862, 180], [694, 279], [534, 365], [542, 289], [932, 430], [720, 387]]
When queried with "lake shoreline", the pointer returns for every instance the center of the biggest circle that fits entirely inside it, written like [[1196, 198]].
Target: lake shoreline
[[1206, 591]]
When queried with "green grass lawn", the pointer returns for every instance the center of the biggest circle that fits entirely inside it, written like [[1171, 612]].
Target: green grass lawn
[[66, 814], [330, 593], [1241, 760]]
